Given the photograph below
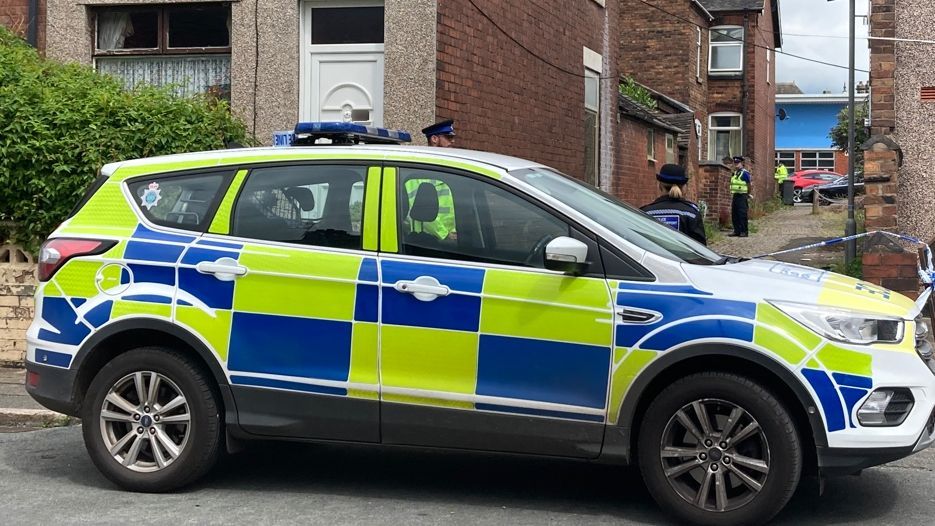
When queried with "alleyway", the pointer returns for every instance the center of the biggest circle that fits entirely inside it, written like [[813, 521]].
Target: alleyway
[[787, 228]]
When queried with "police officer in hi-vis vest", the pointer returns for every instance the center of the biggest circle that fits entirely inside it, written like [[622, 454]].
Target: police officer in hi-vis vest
[[740, 194], [442, 135]]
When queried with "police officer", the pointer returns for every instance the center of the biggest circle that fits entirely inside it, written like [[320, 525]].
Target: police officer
[[440, 134], [740, 194], [781, 174], [672, 208]]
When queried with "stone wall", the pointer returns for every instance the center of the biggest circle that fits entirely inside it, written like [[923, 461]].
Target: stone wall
[[17, 287]]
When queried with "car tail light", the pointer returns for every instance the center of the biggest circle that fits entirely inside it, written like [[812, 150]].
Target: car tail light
[[55, 252]]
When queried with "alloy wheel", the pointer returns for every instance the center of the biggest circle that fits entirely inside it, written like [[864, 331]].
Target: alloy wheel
[[145, 421], [715, 455]]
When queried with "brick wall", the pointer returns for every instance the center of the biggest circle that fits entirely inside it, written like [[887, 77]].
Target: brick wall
[[753, 97], [882, 67], [503, 98], [17, 286], [635, 175], [663, 55], [14, 14], [714, 190]]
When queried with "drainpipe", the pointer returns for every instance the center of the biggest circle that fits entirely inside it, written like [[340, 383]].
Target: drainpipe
[[744, 87], [32, 32]]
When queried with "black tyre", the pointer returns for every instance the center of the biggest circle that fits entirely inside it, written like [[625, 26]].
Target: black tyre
[[151, 420], [719, 449], [797, 195]]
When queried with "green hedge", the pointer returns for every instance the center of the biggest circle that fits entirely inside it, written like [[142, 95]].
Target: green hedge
[[59, 123]]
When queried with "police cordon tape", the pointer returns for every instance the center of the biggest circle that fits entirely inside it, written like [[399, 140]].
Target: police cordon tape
[[927, 274]]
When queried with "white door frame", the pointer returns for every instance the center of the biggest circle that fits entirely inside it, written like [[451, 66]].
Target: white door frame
[[306, 48]]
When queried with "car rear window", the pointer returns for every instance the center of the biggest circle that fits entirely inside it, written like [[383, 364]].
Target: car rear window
[[182, 201]]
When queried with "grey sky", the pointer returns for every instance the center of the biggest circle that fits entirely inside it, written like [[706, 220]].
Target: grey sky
[[819, 17]]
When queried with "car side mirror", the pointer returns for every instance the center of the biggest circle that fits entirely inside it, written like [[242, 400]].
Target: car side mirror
[[564, 254]]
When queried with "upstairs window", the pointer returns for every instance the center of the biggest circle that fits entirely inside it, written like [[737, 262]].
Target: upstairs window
[[725, 54], [186, 46]]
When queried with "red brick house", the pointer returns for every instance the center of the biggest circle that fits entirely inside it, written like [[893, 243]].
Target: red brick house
[[716, 56]]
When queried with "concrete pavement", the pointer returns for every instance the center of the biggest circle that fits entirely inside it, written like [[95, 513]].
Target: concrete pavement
[[18, 410], [46, 477]]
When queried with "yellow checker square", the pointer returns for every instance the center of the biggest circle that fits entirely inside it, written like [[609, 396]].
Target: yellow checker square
[[76, 278], [305, 297], [300, 262], [123, 308], [566, 309], [215, 329], [429, 359], [364, 354]]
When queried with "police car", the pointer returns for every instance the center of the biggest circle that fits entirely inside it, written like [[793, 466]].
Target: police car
[[391, 294]]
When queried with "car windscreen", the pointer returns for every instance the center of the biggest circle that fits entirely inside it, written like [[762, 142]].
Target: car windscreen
[[620, 218]]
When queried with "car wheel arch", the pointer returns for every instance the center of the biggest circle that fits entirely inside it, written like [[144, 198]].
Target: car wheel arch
[[720, 357], [120, 336]]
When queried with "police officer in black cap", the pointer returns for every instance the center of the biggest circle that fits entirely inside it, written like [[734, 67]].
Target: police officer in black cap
[[672, 209], [440, 134]]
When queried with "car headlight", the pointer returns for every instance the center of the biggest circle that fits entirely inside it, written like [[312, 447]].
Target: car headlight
[[843, 325]]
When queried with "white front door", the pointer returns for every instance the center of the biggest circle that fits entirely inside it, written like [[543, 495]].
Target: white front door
[[342, 62]]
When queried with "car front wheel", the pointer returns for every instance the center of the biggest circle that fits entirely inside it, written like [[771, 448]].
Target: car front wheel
[[151, 420], [797, 195], [719, 449]]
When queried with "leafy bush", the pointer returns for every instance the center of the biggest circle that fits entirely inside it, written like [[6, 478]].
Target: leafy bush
[[638, 93], [60, 123]]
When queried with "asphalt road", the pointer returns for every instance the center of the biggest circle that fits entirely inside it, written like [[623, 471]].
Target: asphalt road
[[47, 478]]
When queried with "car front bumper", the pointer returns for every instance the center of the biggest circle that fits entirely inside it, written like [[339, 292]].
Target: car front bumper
[[834, 461]]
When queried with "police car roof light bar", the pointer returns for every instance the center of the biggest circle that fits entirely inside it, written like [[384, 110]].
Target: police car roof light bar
[[347, 133]]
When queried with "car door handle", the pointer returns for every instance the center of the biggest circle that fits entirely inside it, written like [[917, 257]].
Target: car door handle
[[424, 288], [224, 269]]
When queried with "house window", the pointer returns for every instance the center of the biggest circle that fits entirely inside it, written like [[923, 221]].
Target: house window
[[818, 160], [651, 144], [591, 126], [787, 159], [670, 149], [726, 50], [698, 54], [725, 135], [186, 46]]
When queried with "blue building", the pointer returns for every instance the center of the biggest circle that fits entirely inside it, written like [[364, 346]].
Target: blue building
[[802, 141]]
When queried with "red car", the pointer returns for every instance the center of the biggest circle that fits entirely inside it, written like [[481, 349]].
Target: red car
[[806, 178]]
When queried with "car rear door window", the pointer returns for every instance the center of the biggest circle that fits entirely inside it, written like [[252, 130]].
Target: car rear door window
[[185, 201], [318, 205]]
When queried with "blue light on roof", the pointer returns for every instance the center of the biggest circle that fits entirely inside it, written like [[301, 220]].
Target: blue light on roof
[[347, 133]]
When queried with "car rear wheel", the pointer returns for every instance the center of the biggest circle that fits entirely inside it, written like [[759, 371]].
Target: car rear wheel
[[151, 420], [719, 449]]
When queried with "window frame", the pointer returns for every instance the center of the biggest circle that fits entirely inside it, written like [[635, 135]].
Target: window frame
[[650, 144], [162, 35], [809, 156], [712, 44], [713, 131], [595, 109], [671, 149], [780, 153], [698, 54], [576, 229], [227, 173]]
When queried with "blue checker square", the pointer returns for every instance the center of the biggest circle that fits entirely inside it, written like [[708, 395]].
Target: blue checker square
[[290, 346], [542, 370]]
